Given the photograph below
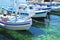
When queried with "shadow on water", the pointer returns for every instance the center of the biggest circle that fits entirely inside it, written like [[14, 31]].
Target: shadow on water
[[3, 37], [41, 22], [33, 31], [38, 22], [36, 31], [4, 34], [41, 26], [51, 24]]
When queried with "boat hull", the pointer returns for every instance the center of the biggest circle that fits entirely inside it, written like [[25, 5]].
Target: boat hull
[[40, 13], [19, 26], [24, 27], [55, 7]]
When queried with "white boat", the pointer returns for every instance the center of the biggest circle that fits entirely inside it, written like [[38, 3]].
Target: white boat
[[45, 7], [15, 20], [41, 6], [18, 25], [40, 11], [52, 6], [53, 3], [55, 7]]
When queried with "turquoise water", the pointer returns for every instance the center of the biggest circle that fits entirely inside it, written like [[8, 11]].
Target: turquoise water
[[51, 26], [42, 29]]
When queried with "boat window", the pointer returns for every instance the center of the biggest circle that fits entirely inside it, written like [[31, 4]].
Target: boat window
[[25, 14], [31, 7], [4, 14]]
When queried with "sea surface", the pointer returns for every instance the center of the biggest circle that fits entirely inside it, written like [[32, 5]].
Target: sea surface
[[42, 29]]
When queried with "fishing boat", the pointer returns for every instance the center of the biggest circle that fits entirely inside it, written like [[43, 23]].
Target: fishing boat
[[16, 18], [40, 10], [54, 4], [15, 22]]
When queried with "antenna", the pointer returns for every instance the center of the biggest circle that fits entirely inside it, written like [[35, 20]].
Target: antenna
[[50, 2]]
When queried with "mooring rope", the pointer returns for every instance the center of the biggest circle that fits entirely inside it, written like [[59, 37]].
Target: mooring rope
[[38, 21]]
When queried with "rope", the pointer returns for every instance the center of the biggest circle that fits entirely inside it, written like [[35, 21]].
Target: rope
[[38, 21]]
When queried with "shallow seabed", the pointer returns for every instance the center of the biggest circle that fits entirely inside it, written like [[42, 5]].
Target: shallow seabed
[[42, 29]]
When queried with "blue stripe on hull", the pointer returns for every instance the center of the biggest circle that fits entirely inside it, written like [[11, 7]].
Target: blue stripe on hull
[[46, 9], [15, 24], [40, 12]]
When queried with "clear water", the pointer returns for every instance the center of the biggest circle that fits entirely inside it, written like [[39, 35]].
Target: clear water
[[51, 27], [42, 29]]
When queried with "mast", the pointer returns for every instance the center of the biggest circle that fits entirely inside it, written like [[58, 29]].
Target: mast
[[15, 9], [50, 2]]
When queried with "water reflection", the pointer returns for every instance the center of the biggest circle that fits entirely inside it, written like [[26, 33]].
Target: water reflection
[[39, 22], [51, 25], [36, 31], [48, 27]]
